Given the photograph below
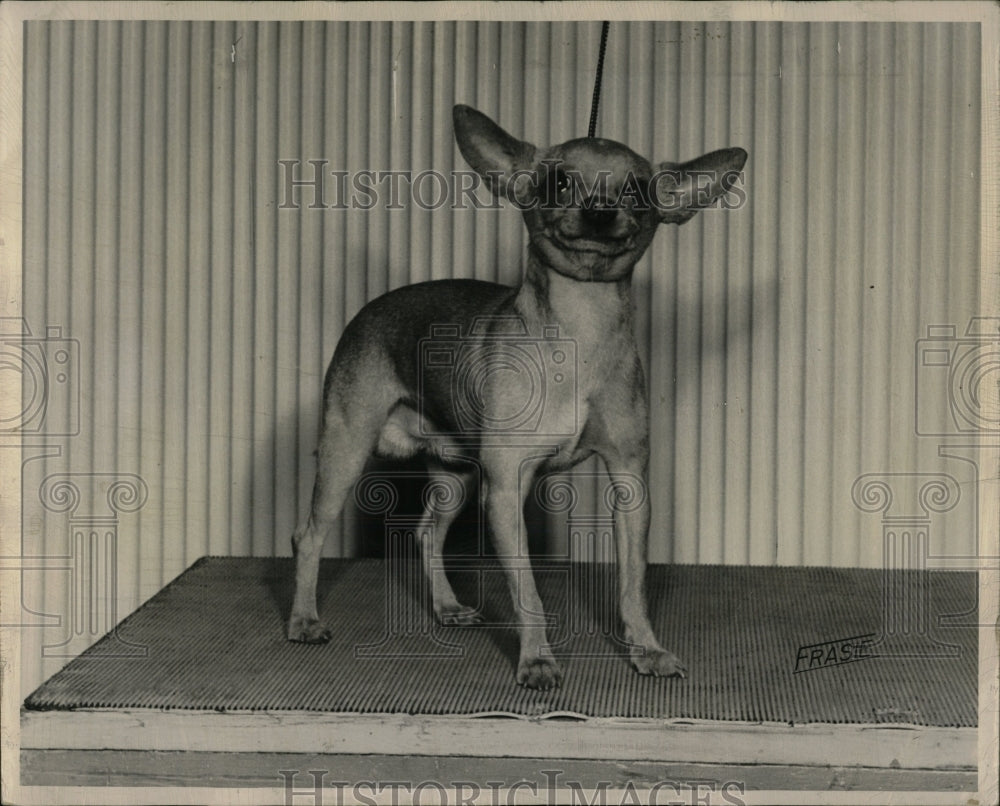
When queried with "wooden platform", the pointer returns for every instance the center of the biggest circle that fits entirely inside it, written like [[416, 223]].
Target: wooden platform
[[199, 687]]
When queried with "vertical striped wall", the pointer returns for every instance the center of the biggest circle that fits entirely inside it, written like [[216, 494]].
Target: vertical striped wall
[[197, 314]]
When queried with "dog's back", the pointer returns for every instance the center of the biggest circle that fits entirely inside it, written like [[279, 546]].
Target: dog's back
[[396, 322]]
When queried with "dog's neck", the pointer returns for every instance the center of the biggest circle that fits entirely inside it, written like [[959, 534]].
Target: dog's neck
[[579, 308]]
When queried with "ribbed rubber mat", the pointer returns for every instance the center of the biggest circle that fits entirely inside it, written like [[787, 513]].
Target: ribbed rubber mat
[[761, 644]]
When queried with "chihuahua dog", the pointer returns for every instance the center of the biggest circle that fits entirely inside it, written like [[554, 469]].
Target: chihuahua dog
[[591, 207]]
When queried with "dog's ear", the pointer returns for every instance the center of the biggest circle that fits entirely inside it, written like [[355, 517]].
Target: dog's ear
[[496, 156], [680, 191]]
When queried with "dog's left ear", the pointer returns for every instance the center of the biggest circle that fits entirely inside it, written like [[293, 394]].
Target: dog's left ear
[[680, 191], [495, 155]]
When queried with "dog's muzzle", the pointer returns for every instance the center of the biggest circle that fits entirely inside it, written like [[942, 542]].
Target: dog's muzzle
[[599, 215]]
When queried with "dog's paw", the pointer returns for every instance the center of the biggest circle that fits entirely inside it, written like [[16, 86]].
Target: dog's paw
[[539, 673], [307, 630], [460, 616], [658, 663]]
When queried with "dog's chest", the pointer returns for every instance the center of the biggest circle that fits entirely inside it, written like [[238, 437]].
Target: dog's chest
[[534, 377], [601, 371], [533, 392]]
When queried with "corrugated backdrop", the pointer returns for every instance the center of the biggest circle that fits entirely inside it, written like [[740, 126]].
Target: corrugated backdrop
[[196, 314]]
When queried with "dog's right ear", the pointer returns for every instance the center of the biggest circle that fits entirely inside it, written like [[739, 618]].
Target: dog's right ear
[[496, 156]]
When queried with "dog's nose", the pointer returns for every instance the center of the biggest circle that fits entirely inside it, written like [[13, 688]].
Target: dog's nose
[[598, 214]]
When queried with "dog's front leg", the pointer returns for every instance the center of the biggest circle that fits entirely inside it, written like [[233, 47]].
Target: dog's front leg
[[508, 480], [632, 511]]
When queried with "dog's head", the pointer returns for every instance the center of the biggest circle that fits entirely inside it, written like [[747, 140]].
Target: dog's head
[[591, 205]]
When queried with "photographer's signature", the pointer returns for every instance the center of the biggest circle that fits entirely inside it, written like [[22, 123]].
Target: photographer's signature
[[834, 653]]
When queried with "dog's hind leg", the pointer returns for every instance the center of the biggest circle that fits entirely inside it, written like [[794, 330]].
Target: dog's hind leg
[[344, 446], [448, 492]]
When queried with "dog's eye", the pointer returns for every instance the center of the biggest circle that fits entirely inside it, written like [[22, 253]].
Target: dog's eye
[[561, 184], [558, 188]]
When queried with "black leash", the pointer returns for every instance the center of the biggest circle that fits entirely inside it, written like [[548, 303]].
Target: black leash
[[597, 80]]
